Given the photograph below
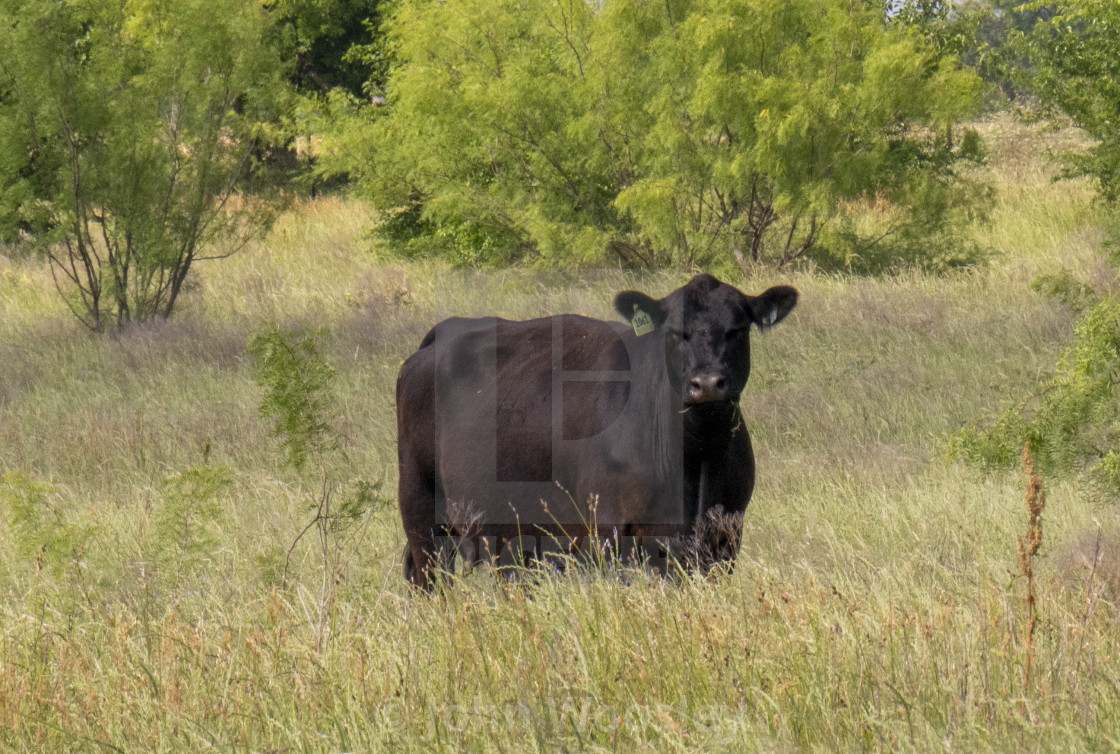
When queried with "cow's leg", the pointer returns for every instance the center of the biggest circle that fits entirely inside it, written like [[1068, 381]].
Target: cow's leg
[[416, 464], [409, 563], [418, 514], [440, 558], [730, 486]]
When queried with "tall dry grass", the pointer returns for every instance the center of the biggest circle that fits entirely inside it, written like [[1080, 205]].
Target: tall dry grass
[[876, 604]]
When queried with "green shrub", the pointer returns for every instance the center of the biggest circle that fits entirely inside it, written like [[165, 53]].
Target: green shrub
[[186, 526], [298, 400], [694, 132], [1074, 72], [126, 130], [44, 531], [1073, 422]]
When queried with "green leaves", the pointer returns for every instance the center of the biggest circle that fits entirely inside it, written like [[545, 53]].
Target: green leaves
[[298, 398], [1073, 422], [185, 526], [300, 401], [1068, 58], [1076, 71], [328, 40], [45, 532], [126, 129], [648, 134]]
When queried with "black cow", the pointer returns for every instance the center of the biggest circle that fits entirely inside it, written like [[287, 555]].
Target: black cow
[[573, 426]]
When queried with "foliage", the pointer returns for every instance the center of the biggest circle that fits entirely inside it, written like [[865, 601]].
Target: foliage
[[45, 533], [301, 404], [334, 49], [1076, 71], [1073, 421], [332, 43], [998, 52], [645, 134], [298, 399], [126, 130], [184, 526], [986, 34], [947, 25]]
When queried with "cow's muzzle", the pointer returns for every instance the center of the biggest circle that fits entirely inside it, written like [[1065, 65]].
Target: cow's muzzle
[[707, 388]]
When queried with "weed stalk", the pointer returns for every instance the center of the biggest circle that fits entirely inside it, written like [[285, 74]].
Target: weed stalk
[[1028, 549]]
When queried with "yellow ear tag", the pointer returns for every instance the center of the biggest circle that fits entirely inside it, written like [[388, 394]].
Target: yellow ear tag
[[642, 322]]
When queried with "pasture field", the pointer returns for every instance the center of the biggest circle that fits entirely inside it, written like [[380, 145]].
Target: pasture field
[[146, 515]]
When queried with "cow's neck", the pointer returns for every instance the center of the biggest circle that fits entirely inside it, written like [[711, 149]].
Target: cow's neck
[[659, 408], [708, 428], [707, 438]]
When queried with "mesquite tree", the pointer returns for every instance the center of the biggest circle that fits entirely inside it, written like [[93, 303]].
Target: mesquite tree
[[126, 129], [644, 134]]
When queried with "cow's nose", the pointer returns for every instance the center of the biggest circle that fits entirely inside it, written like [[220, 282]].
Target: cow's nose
[[707, 387]]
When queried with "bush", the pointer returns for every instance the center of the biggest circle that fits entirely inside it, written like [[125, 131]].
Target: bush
[[126, 130], [646, 134], [46, 533], [1075, 71], [301, 404], [1073, 422]]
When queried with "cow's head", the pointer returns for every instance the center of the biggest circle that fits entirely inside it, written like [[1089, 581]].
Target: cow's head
[[705, 326]]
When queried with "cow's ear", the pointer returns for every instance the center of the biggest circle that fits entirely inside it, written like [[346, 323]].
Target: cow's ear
[[629, 303], [773, 305]]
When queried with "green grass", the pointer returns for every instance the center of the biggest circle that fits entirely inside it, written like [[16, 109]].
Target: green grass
[[874, 607]]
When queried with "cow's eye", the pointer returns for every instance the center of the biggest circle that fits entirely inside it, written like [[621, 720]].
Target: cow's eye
[[677, 335]]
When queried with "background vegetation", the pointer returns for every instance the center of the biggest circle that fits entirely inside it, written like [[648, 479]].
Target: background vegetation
[[646, 135], [149, 513], [127, 129], [199, 545]]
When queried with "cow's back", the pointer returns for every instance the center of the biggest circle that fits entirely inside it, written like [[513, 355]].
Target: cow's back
[[503, 415]]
